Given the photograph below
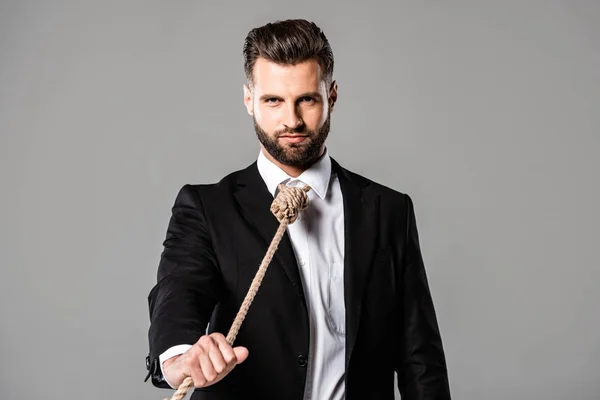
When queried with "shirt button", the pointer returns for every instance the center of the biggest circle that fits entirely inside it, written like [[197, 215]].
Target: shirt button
[[302, 262], [302, 361]]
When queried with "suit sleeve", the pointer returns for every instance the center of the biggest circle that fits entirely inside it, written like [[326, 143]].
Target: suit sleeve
[[189, 284], [422, 372]]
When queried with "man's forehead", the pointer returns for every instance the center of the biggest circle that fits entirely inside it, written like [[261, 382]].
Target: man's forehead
[[270, 74]]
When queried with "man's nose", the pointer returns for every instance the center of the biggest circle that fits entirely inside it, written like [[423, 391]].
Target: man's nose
[[292, 118]]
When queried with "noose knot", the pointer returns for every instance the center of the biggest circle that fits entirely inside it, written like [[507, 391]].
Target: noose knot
[[289, 202]]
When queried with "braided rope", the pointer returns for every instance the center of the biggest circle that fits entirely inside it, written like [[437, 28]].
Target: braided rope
[[286, 207]]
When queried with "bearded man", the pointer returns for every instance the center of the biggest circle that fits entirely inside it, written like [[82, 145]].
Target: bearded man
[[345, 304]]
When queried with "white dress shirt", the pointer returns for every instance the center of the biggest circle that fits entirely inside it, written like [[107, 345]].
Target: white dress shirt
[[317, 237]]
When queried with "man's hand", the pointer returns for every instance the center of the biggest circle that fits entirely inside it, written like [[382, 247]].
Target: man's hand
[[206, 362]]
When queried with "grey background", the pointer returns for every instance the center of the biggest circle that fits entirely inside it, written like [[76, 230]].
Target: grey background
[[486, 113]]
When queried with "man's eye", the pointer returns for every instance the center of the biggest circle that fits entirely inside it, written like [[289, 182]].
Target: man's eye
[[308, 99], [272, 100]]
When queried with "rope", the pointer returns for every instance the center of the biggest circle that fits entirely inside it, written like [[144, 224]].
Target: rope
[[286, 207]]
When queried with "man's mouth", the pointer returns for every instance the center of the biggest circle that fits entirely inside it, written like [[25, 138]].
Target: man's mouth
[[294, 138]]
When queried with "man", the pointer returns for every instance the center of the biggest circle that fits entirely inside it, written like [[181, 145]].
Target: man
[[345, 303]]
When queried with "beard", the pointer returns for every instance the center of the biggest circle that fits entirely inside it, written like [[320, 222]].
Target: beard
[[295, 154]]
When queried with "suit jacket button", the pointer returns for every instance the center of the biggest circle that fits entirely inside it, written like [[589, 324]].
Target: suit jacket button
[[302, 361]]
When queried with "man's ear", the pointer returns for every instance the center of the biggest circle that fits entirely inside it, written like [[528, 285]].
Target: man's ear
[[333, 95], [248, 100]]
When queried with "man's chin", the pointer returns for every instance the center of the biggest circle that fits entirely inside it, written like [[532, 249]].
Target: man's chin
[[291, 156]]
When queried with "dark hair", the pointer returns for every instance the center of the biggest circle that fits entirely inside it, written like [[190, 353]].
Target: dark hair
[[288, 42]]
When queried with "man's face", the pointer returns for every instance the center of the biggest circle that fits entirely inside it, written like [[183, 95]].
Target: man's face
[[291, 107]]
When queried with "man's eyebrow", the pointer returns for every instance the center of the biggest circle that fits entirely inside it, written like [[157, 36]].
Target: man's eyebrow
[[269, 96], [311, 94], [265, 97]]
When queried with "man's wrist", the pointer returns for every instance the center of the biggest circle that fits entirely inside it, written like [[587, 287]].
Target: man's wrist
[[169, 356]]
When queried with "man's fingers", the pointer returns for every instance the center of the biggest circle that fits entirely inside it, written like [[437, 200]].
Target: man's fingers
[[225, 349], [212, 359], [217, 358], [232, 356], [207, 346], [195, 370]]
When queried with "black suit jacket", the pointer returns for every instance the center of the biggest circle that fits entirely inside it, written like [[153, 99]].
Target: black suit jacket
[[217, 237]]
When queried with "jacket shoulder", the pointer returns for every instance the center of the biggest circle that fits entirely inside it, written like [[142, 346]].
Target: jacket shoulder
[[208, 189], [387, 193]]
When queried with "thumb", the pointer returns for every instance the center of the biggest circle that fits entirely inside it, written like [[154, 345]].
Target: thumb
[[241, 353]]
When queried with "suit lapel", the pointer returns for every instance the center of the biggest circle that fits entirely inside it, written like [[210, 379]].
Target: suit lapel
[[255, 202], [360, 235]]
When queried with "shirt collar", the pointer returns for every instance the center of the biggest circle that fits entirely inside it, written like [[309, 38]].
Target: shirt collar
[[317, 176]]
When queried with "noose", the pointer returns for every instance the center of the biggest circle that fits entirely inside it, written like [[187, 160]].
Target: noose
[[286, 207]]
